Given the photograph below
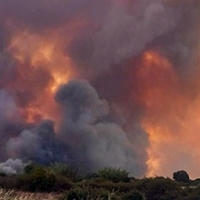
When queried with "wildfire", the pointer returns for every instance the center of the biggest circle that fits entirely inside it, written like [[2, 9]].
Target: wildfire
[[36, 53], [172, 117]]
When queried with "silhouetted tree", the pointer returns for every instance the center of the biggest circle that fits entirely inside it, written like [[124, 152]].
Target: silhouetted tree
[[181, 176]]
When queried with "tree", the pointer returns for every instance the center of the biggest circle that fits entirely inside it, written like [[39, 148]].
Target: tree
[[181, 176]]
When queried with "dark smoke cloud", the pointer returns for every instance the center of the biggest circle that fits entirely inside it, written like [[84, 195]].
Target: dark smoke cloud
[[92, 139], [39, 144], [82, 102], [87, 136]]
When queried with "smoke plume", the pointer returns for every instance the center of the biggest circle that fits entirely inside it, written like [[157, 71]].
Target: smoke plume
[[12, 166], [100, 83]]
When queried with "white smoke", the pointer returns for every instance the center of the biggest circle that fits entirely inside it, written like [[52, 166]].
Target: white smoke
[[12, 166]]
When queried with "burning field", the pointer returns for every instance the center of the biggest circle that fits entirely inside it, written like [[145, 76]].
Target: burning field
[[100, 83]]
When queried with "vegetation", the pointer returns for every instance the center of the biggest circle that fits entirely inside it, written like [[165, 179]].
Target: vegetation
[[181, 176], [17, 195], [61, 182], [113, 174]]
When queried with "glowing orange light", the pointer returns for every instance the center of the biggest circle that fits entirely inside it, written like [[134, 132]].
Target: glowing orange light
[[172, 119], [45, 51]]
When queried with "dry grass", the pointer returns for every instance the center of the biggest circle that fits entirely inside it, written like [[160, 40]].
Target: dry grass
[[15, 195]]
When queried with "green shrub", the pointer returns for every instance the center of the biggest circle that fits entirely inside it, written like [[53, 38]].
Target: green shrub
[[195, 182], [37, 179], [64, 170], [100, 193], [113, 174], [30, 168], [160, 188], [62, 184], [89, 194], [134, 195], [91, 176], [190, 193], [42, 180], [75, 194]]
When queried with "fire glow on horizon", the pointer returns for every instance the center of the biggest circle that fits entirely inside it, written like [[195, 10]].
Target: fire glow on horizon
[[172, 115]]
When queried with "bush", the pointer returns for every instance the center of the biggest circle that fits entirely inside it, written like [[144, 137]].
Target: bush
[[100, 193], [195, 182], [62, 184], [75, 194], [89, 194], [30, 168], [42, 180], [181, 176], [113, 174], [91, 176], [37, 179], [8, 182], [64, 170], [160, 188], [134, 195]]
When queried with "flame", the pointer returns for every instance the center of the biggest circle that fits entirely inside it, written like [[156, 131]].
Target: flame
[[172, 116], [42, 66]]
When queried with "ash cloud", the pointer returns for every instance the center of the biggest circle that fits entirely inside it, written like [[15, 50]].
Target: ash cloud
[[101, 118], [87, 135], [92, 138], [38, 144]]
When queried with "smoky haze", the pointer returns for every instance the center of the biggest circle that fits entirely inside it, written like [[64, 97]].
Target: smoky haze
[[73, 80]]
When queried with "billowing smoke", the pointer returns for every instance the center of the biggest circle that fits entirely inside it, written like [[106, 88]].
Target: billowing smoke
[[12, 166], [125, 35], [38, 144], [91, 137], [99, 83]]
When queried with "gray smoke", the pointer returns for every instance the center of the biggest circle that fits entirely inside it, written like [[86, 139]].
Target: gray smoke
[[91, 137], [170, 28], [87, 135], [12, 166], [181, 44], [100, 118], [38, 144], [124, 35], [9, 118]]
